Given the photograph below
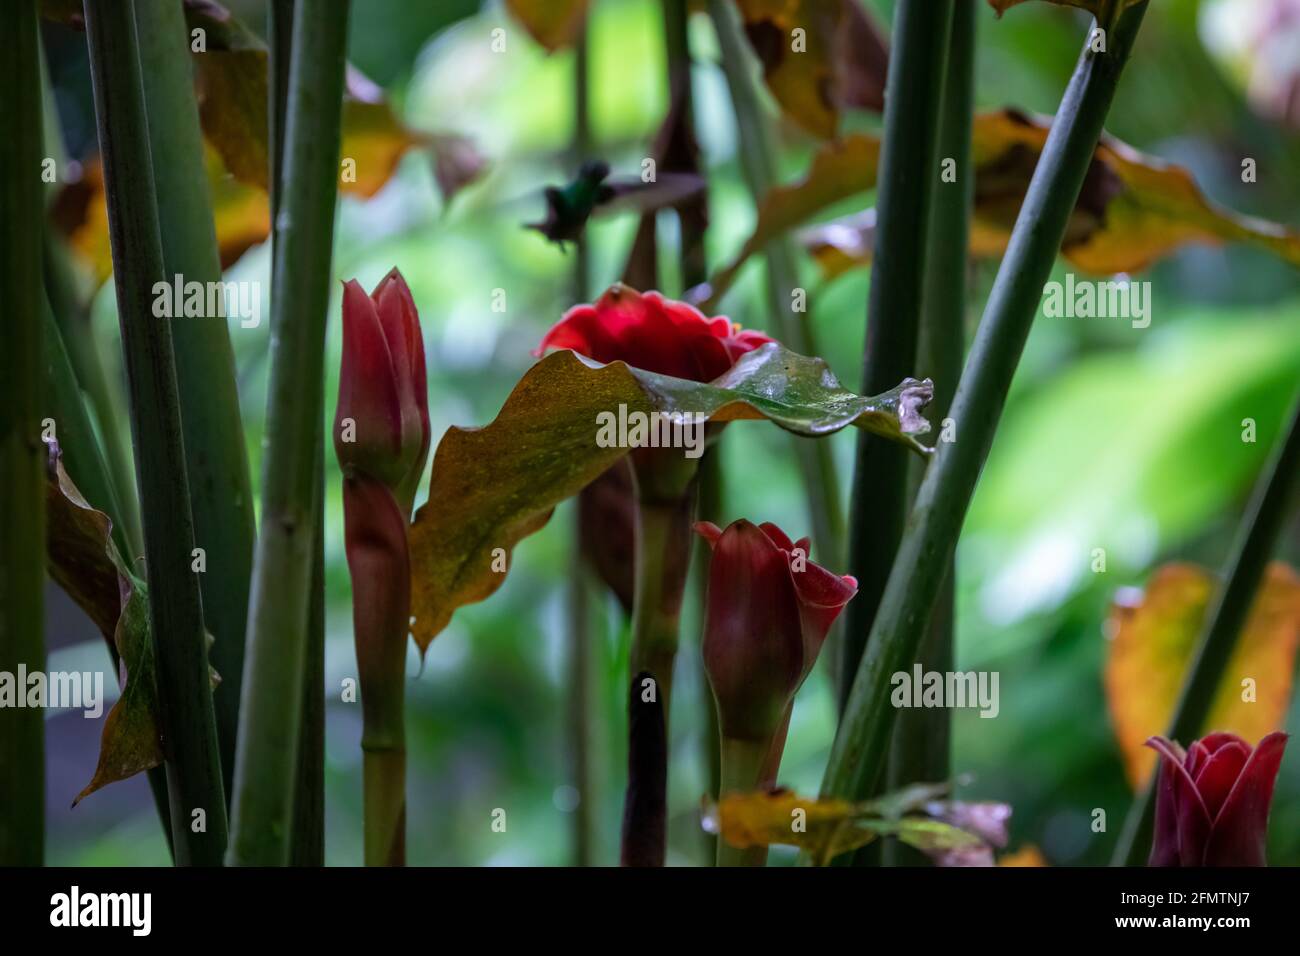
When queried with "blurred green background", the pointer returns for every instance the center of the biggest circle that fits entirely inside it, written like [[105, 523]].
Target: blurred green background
[[1117, 438]]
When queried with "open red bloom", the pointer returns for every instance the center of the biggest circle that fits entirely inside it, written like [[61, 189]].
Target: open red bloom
[[382, 391], [1212, 800], [650, 332], [769, 610]]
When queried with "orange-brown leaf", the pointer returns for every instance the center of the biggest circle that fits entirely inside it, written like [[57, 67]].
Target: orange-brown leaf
[[552, 23], [1153, 636]]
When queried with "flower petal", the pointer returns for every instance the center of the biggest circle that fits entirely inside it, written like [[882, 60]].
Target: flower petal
[[1215, 779], [367, 391], [1192, 820], [1240, 833]]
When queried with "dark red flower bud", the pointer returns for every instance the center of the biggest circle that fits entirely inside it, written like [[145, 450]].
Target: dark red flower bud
[[381, 426], [769, 610], [652, 333], [1212, 800]]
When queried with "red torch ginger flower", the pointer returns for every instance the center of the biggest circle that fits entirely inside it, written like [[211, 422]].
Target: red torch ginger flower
[[769, 610], [650, 332], [1212, 800], [381, 427]]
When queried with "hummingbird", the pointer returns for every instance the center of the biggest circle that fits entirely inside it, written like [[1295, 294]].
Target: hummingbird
[[569, 207]]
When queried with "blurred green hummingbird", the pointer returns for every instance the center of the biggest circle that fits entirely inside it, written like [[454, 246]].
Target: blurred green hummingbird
[[569, 207]]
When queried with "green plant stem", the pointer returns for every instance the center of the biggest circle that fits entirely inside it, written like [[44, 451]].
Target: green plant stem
[[279, 611], [71, 312], [816, 463], [216, 459], [909, 175], [712, 492], [1256, 537], [858, 754], [742, 765], [683, 153], [920, 749], [22, 453], [186, 716]]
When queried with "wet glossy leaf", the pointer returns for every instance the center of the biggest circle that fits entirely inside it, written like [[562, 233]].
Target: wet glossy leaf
[[493, 486], [552, 23], [836, 58], [1153, 637]]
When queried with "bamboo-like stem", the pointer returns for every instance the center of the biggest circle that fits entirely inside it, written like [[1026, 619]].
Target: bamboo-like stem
[[186, 717], [712, 492], [693, 215], [279, 610], [71, 312], [216, 459], [22, 453], [663, 552], [742, 765], [816, 462], [858, 755], [920, 748], [909, 177], [1256, 537]]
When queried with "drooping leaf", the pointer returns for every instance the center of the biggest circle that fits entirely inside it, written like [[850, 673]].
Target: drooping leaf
[[828, 827], [1098, 8], [493, 486], [1133, 208], [552, 23], [83, 561], [836, 58], [1153, 636]]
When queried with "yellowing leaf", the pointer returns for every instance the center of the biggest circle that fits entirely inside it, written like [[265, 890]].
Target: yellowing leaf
[[1154, 635], [493, 486], [829, 827], [836, 58], [1027, 855], [1133, 208], [552, 23]]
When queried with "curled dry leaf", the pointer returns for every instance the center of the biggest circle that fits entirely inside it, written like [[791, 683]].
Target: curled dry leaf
[[818, 56], [493, 486], [829, 827], [1153, 637]]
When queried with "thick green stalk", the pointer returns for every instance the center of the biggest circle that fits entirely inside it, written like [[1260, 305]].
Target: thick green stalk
[[216, 459], [22, 453], [1256, 537], [279, 609], [909, 177], [858, 754], [186, 717], [683, 154], [742, 765], [920, 748], [71, 312], [816, 463]]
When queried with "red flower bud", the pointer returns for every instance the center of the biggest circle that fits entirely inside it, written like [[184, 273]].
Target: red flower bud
[[652, 333], [381, 426], [769, 609], [1212, 800]]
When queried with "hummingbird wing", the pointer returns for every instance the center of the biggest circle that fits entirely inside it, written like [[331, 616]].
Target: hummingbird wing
[[633, 195]]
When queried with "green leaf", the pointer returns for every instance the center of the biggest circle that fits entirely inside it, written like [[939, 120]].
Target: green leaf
[[1098, 8], [493, 486]]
